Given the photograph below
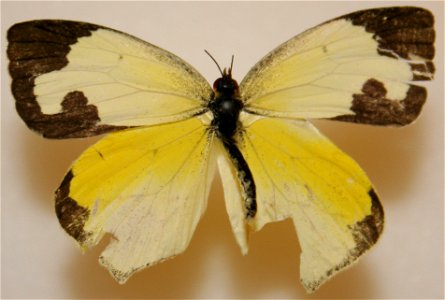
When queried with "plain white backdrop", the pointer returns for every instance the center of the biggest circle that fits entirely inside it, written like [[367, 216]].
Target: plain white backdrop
[[406, 166]]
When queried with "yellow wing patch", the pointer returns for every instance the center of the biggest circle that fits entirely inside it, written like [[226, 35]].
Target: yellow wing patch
[[147, 187], [300, 174]]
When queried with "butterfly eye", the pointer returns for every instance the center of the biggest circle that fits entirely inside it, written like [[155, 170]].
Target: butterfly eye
[[216, 84]]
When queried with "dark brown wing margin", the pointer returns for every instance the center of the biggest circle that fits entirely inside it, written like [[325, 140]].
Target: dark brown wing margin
[[401, 32], [39, 47]]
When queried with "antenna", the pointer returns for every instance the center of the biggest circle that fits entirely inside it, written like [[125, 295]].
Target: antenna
[[231, 65], [219, 68]]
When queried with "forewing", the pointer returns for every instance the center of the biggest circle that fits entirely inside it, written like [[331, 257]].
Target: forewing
[[356, 68], [300, 174], [147, 187], [74, 79]]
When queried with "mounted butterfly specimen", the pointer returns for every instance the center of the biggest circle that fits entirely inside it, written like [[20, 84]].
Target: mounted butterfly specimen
[[147, 181]]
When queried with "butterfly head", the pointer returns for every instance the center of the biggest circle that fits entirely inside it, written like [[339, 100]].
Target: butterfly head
[[226, 85]]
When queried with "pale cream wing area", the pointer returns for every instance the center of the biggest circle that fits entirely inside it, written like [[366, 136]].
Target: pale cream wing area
[[64, 71], [300, 174], [355, 68], [233, 197], [147, 187]]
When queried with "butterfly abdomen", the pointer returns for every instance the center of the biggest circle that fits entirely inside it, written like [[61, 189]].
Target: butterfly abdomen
[[226, 107], [245, 177]]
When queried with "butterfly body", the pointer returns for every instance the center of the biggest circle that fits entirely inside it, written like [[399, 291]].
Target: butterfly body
[[226, 108], [148, 180]]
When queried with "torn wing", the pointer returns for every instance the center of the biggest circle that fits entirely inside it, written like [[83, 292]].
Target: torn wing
[[147, 187], [75, 79], [356, 68], [300, 174]]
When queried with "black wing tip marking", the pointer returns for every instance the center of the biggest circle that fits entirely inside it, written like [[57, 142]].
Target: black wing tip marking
[[36, 40], [373, 107], [39, 47], [41, 41], [423, 71], [77, 118], [366, 233], [72, 216], [368, 230], [57, 31], [401, 31]]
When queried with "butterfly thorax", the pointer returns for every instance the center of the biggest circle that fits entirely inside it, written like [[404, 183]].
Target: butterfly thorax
[[225, 106]]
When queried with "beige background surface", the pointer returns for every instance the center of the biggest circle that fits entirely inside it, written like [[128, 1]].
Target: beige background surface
[[406, 165]]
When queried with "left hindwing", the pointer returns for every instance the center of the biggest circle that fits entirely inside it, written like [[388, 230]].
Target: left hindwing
[[355, 68], [75, 79]]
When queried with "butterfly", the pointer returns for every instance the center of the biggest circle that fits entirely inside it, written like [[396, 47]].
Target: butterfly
[[169, 131]]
